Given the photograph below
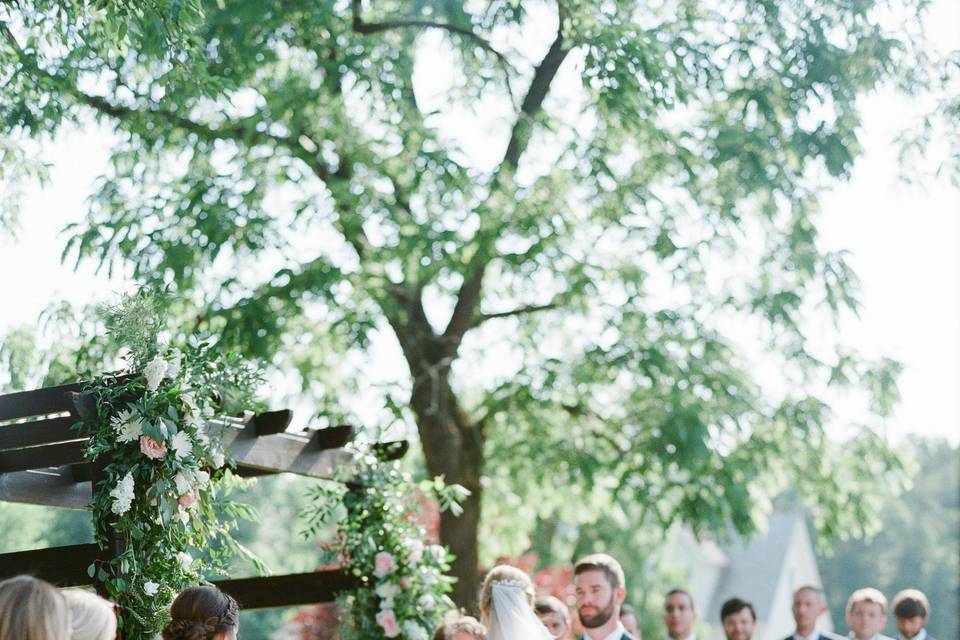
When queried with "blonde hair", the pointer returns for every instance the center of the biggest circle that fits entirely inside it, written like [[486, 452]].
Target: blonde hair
[[504, 573], [91, 616], [867, 595], [455, 622], [31, 609]]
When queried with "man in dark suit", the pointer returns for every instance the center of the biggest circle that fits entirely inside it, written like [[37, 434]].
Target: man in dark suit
[[809, 603], [600, 588], [912, 610]]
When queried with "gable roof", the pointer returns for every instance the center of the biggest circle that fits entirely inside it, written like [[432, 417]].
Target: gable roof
[[753, 571]]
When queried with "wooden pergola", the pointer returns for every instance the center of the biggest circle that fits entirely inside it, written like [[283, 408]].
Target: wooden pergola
[[42, 462]]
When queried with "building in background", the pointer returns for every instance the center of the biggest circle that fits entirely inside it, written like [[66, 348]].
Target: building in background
[[765, 570]]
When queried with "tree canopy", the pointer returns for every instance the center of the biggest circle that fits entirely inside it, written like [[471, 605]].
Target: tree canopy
[[580, 312]]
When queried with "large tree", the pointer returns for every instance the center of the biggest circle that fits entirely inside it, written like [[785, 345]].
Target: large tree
[[579, 313]]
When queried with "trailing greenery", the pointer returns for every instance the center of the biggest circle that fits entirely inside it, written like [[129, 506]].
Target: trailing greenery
[[159, 496], [402, 587], [580, 297]]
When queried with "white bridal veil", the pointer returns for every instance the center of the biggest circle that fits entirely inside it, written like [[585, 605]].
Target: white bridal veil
[[511, 616]]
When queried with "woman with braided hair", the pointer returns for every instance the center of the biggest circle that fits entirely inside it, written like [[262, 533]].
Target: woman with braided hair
[[203, 613]]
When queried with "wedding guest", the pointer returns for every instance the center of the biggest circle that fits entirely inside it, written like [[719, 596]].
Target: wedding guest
[[553, 614], [506, 606], [809, 603], [739, 619], [460, 627], [203, 613], [91, 617], [31, 609], [867, 614], [600, 588], [912, 610], [679, 614], [628, 616]]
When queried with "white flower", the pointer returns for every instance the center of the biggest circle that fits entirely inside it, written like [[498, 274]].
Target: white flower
[[413, 631], [181, 445], [437, 552], [190, 400], [150, 588], [217, 459], [183, 515], [128, 426], [184, 482], [184, 559], [416, 551], [154, 372], [122, 495], [387, 591], [201, 479], [426, 602], [429, 579], [173, 368]]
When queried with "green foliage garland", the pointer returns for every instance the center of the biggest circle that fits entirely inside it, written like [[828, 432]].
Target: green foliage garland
[[163, 474], [403, 589]]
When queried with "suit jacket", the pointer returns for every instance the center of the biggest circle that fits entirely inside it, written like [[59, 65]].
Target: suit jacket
[[825, 636]]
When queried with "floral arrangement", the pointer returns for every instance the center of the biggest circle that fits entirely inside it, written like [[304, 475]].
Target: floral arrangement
[[159, 493], [402, 592]]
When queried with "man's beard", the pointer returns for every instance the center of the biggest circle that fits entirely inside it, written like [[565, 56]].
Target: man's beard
[[598, 619]]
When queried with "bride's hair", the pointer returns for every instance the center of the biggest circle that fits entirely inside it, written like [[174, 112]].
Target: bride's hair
[[504, 574], [200, 613]]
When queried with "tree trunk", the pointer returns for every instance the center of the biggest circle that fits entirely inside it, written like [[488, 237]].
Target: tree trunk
[[452, 443]]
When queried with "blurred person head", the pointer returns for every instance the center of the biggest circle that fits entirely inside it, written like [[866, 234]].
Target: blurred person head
[[809, 604], [31, 609], [628, 616], [504, 573], [203, 613], [912, 610], [91, 617], [866, 613], [553, 614], [457, 626], [600, 588], [739, 619], [679, 614]]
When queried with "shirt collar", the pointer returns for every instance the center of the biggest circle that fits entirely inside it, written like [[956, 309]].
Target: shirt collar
[[921, 635], [616, 634]]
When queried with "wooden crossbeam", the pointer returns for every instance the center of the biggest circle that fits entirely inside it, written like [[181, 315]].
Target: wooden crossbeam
[[67, 566], [289, 590], [52, 487], [39, 402], [62, 566], [50, 455], [29, 434]]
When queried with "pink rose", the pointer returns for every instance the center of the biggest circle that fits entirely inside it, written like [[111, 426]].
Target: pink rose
[[405, 582], [187, 500], [152, 449], [383, 563], [388, 621]]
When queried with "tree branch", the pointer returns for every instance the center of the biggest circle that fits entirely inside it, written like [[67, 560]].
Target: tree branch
[[539, 87], [375, 27], [533, 308]]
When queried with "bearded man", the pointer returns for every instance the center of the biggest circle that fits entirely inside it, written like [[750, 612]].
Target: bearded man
[[600, 589]]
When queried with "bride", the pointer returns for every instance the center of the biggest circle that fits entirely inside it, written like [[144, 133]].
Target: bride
[[506, 602]]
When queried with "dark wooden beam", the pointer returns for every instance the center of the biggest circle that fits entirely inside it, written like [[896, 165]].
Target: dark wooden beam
[[52, 487], [29, 434], [62, 566], [50, 455], [272, 422], [333, 437], [288, 591], [39, 402]]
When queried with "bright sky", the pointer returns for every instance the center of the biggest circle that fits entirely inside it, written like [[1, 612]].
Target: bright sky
[[904, 240]]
